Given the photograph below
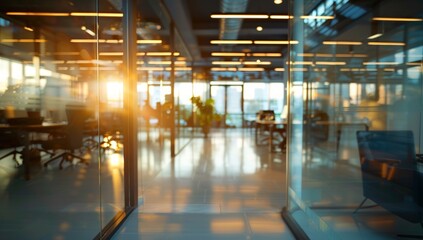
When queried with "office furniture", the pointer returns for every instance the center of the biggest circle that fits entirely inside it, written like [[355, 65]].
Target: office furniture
[[390, 175], [270, 127], [70, 139], [10, 140]]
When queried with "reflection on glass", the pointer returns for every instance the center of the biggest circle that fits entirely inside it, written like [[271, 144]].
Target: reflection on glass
[[365, 77]]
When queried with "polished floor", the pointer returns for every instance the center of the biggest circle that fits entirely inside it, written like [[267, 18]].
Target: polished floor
[[220, 187]]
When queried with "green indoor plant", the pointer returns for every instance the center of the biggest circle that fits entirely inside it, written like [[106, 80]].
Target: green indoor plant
[[204, 113]]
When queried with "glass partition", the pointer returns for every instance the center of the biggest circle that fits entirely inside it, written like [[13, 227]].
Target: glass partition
[[355, 100], [62, 116], [263, 96]]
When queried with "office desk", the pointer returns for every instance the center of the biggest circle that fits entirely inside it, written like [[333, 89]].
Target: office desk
[[271, 126], [24, 131]]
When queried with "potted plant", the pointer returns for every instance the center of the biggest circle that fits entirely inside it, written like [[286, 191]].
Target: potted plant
[[204, 113]]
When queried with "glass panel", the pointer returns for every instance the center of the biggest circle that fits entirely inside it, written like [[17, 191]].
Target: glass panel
[[107, 90], [234, 109], [263, 96], [355, 98], [61, 105]]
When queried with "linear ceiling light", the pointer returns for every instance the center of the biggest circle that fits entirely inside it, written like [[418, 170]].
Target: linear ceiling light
[[44, 14], [226, 63], [300, 63], [167, 62], [96, 40], [341, 43], [393, 19], [330, 63], [276, 42], [217, 69], [62, 14], [94, 14], [374, 36], [281, 17], [228, 54], [381, 63], [29, 28], [149, 41], [358, 69], [413, 64], [115, 41], [150, 68], [231, 42], [280, 69], [258, 62], [87, 30], [157, 54], [23, 40], [179, 69], [241, 54], [267, 54], [241, 16], [324, 55], [386, 43], [305, 54], [299, 69], [251, 69]]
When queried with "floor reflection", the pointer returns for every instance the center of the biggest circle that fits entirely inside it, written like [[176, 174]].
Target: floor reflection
[[220, 187], [60, 204]]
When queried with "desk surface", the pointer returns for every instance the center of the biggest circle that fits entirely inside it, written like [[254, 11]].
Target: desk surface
[[32, 127]]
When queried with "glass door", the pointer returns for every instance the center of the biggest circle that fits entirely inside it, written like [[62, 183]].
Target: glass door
[[228, 103]]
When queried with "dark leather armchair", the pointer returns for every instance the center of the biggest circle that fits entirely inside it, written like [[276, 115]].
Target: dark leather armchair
[[389, 173], [71, 139]]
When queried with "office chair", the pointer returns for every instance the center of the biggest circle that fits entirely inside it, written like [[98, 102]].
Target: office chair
[[8, 140], [70, 139], [389, 173]]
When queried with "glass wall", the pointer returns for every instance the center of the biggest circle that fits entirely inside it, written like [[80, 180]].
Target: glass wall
[[356, 101], [263, 96], [64, 118]]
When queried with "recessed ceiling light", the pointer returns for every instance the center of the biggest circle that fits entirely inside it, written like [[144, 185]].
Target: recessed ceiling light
[[278, 1], [259, 28]]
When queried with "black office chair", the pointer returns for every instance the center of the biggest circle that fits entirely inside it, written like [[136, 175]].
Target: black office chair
[[10, 141], [70, 139]]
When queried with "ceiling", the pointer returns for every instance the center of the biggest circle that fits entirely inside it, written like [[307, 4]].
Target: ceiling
[[192, 20], [195, 29]]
